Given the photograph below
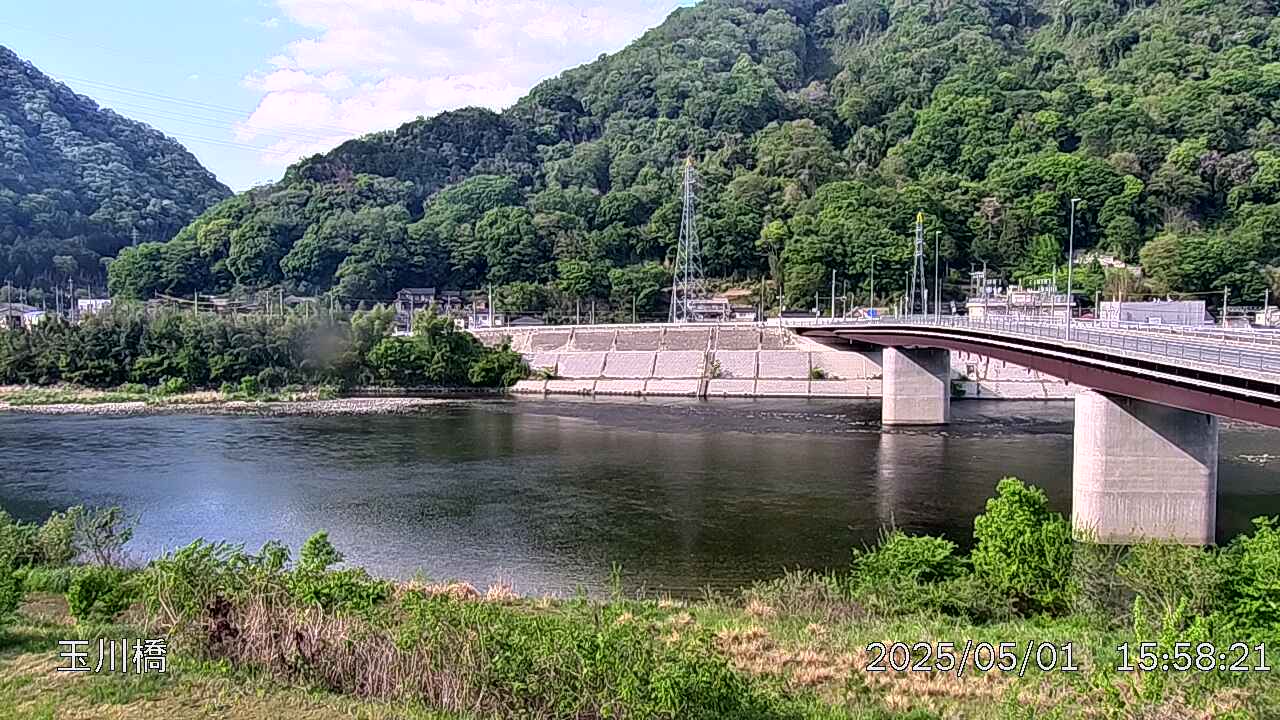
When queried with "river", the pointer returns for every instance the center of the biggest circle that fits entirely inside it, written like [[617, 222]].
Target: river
[[549, 494]]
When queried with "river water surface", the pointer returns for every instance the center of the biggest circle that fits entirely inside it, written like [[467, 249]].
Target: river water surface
[[549, 494]]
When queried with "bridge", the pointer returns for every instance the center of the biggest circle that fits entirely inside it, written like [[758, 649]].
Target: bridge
[[1145, 463]]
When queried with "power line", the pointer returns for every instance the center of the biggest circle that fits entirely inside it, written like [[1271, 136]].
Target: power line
[[147, 111], [207, 107]]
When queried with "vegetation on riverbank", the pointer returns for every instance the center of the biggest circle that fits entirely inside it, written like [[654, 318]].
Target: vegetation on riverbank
[[156, 356], [309, 631]]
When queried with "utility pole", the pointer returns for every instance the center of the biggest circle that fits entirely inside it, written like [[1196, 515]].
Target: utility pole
[[492, 305], [833, 294], [937, 283], [1071, 261], [873, 281], [633, 308], [1225, 293]]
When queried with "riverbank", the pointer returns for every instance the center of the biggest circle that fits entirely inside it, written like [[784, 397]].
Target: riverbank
[[70, 400], [1057, 628]]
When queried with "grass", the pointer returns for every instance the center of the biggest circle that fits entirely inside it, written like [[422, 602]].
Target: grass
[[811, 653], [31, 688]]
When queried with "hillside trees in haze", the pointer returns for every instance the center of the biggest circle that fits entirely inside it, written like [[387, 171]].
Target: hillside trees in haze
[[78, 183]]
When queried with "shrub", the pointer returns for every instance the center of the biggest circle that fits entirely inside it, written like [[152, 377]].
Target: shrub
[[314, 583], [133, 388], [318, 554], [271, 378], [171, 386], [1168, 577], [1023, 549], [55, 540], [18, 542], [907, 558], [99, 593], [10, 590], [249, 386], [327, 392], [102, 533], [179, 586], [351, 589], [227, 389], [1253, 567], [498, 368], [47, 579], [817, 373]]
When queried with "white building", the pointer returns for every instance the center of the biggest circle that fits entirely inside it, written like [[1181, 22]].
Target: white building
[[1156, 312]]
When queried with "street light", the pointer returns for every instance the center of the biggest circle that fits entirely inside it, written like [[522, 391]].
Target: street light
[[1071, 256]]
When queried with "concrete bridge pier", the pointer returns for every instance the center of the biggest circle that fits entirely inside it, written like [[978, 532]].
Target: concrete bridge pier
[[1143, 471], [916, 386]]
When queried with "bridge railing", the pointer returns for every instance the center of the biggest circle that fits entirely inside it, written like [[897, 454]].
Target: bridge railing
[[1222, 349]]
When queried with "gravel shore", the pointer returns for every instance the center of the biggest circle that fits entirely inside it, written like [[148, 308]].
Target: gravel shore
[[314, 408]]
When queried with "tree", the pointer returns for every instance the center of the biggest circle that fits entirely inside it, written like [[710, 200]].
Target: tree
[[513, 250], [638, 288]]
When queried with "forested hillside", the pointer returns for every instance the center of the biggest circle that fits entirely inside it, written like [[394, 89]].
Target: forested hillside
[[819, 128], [77, 181]]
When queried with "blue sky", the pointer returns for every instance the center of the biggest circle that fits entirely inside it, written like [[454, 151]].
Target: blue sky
[[249, 86]]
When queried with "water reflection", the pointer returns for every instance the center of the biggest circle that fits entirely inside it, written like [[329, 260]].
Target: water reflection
[[549, 494]]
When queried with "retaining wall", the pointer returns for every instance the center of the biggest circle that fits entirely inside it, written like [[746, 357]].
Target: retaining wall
[[735, 361]]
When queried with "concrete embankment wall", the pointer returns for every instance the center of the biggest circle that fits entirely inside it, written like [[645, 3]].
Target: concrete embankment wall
[[732, 361]]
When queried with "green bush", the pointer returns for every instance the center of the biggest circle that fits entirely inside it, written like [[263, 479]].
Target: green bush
[[503, 367], [1023, 549], [1167, 577], [18, 542], [327, 392], [313, 582], [228, 389], [271, 378], [902, 558], [249, 385], [55, 540], [99, 593], [177, 587], [10, 591], [171, 386], [351, 589], [1252, 564], [133, 388], [47, 579], [318, 554]]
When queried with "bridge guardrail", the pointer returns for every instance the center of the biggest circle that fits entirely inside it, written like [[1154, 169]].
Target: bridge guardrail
[[1262, 356]]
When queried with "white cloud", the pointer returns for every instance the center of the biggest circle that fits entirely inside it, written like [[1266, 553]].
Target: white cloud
[[367, 65]]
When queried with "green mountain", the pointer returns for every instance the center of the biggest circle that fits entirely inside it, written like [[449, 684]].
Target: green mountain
[[77, 181], [819, 128]]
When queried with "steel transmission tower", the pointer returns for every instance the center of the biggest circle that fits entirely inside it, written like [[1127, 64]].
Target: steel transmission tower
[[687, 283], [918, 286]]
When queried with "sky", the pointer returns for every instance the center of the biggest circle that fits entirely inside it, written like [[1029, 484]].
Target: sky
[[249, 86]]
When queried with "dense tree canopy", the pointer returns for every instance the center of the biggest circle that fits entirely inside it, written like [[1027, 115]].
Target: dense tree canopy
[[78, 183], [819, 129]]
